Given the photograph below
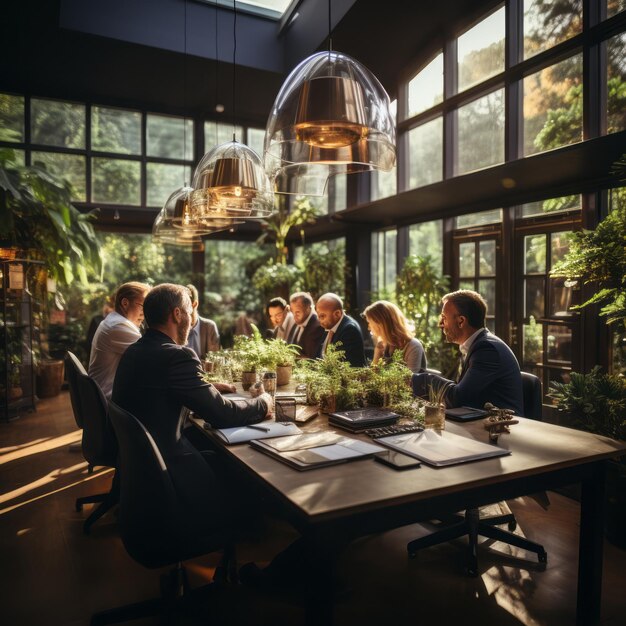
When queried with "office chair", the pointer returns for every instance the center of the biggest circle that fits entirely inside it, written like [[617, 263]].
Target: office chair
[[472, 524], [158, 524], [98, 443]]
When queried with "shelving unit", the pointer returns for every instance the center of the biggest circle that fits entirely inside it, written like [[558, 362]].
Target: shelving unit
[[20, 326]]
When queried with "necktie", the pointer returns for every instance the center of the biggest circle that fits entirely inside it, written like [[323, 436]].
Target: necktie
[[331, 334]]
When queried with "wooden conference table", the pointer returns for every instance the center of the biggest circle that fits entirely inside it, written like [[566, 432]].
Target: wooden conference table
[[371, 497]]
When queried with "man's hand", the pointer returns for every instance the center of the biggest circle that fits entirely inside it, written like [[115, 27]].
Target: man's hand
[[225, 387], [267, 398]]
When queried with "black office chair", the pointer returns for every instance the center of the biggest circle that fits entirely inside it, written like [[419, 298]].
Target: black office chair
[[471, 524], [158, 524], [98, 443]]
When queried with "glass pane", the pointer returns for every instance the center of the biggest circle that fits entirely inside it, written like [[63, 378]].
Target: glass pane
[[560, 298], [487, 289], [338, 189], [217, 134], [163, 180], [383, 184], [11, 118], [467, 284], [613, 7], [487, 258], [533, 342], [390, 260], [481, 133], [480, 51], [256, 137], [534, 254], [166, 136], [559, 244], [491, 325], [618, 345], [115, 181], [559, 343], [115, 130], [467, 259], [616, 83], [478, 219], [55, 123], [15, 157], [69, 167], [426, 88], [553, 106], [564, 203], [426, 239], [426, 153], [534, 297], [548, 22]]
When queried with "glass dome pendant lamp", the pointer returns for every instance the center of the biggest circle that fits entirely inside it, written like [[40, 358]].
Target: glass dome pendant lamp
[[331, 116], [230, 181]]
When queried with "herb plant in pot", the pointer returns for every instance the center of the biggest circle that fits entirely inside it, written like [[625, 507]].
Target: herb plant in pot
[[280, 357], [250, 354]]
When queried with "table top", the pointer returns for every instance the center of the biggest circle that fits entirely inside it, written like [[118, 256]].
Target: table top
[[364, 485]]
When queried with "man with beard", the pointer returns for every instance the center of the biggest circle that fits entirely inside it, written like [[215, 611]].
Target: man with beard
[[158, 376], [489, 371]]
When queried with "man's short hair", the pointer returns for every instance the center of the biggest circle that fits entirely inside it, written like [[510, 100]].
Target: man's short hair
[[193, 293], [131, 291], [470, 304], [162, 300], [281, 302], [302, 296]]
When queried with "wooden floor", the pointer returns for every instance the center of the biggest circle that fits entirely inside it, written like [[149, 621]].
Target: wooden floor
[[51, 573]]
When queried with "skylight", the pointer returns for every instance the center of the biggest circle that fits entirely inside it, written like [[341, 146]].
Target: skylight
[[268, 8]]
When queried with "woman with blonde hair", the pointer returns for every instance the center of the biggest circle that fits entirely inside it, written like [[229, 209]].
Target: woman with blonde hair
[[390, 330]]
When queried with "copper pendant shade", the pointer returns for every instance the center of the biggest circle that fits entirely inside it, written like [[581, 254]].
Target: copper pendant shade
[[331, 116]]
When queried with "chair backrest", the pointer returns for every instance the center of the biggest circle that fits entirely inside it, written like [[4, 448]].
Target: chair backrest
[[533, 396], [99, 444], [74, 368], [150, 515]]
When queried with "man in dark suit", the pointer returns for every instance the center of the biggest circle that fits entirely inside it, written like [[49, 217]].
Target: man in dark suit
[[203, 334], [160, 376], [306, 332], [340, 329], [489, 373]]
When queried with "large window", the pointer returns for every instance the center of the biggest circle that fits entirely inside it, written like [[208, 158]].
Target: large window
[[425, 153], [426, 240], [384, 262], [616, 83], [426, 88], [549, 22]]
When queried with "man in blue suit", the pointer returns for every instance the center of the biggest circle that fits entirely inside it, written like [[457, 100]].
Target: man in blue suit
[[489, 373], [340, 328]]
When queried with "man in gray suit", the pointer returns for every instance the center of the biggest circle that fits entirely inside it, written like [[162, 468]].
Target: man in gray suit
[[203, 335], [490, 371]]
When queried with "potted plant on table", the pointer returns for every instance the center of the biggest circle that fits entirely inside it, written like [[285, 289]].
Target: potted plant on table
[[250, 352], [280, 356]]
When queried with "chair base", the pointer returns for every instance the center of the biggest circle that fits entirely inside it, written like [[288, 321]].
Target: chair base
[[107, 502], [473, 526]]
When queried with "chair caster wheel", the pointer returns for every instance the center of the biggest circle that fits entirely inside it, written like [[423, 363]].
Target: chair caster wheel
[[512, 526], [543, 557]]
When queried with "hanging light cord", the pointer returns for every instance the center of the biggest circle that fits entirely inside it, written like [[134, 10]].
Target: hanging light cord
[[234, 58], [217, 65], [185, 93], [330, 39]]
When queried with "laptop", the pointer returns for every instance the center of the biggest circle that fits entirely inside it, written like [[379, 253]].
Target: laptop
[[465, 414]]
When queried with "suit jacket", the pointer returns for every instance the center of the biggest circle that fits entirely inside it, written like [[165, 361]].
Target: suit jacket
[[157, 379], [311, 338], [490, 373], [350, 336], [209, 335]]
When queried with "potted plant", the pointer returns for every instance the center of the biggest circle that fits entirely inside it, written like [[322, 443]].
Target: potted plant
[[435, 408], [249, 352], [332, 382], [596, 402], [15, 377], [280, 357], [389, 384]]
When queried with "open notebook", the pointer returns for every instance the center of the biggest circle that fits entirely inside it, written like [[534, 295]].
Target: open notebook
[[262, 430]]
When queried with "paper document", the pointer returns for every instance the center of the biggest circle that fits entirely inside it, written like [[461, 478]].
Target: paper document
[[441, 449], [262, 430]]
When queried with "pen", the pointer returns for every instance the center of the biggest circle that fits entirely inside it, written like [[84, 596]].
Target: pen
[[264, 429]]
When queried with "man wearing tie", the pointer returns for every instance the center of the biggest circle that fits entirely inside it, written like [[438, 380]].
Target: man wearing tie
[[306, 332], [340, 328], [489, 371]]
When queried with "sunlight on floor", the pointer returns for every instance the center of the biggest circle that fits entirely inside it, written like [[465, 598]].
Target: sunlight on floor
[[13, 453]]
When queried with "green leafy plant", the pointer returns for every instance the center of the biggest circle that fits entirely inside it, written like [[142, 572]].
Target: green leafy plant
[[279, 353], [331, 381], [276, 279], [389, 384], [37, 216], [595, 402], [324, 270]]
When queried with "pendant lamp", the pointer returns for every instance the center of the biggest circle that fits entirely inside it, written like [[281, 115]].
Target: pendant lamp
[[230, 183], [331, 116], [230, 180]]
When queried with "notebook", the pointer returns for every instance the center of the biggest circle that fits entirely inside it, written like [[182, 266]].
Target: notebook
[[262, 430], [360, 419], [465, 414]]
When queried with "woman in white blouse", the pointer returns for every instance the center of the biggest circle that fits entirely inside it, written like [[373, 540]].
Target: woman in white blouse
[[390, 330]]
